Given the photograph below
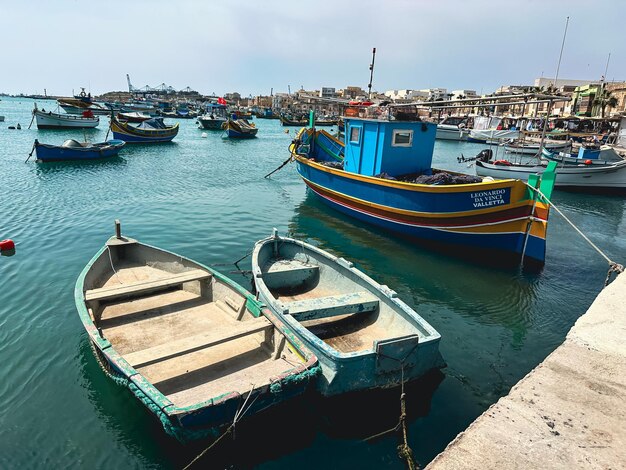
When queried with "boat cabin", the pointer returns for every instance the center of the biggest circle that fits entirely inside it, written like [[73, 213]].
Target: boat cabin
[[388, 141]]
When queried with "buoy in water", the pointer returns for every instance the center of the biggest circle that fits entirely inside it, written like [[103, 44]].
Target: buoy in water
[[286, 131], [18, 126], [12, 127], [6, 245], [204, 135]]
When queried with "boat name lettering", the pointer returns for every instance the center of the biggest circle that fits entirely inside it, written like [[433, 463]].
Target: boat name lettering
[[495, 197]]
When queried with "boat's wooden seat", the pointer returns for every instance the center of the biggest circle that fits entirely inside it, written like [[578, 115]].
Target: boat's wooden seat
[[322, 307], [191, 344], [125, 290], [286, 273]]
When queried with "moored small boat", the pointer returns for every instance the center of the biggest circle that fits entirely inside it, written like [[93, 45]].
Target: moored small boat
[[363, 335], [214, 117], [240, 129], [193, 346], [382, 174], [50, 120], [73, 150], [532, 148], [585, 175], [150, 131]]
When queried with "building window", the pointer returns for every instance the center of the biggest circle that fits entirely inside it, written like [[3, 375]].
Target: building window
[[355, 135], [402, 138]]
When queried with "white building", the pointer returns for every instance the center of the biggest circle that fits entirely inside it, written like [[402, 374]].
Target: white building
[[561, 82], [406, 95], [457, 94], [279, 99], [434, 94], [327, 92]]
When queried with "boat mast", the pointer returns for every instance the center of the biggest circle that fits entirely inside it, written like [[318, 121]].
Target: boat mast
[[556, 77], [369, 87]]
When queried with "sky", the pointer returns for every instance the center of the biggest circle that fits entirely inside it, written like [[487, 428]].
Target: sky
[[253, 46]]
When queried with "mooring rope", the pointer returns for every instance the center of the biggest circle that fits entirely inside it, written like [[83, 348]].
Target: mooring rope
[[613, 266], [404, 450], [238, 415], [31, 152]]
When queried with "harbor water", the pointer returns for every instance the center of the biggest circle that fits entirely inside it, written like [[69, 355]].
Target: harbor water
[[206, 198]]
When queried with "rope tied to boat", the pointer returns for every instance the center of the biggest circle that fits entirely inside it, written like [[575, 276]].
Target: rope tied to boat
[[613, 266], [404, 450], [31, 151], [230, 430]]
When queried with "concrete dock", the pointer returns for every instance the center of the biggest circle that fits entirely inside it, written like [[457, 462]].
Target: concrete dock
[[569, 412]]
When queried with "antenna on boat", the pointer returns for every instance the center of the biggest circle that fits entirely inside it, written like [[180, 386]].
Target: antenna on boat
[[556, 77], [369, 87]]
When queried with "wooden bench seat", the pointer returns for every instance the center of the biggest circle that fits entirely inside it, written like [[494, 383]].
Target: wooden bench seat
[[113, 292], [191, 344], [322, 307], [287, 273]]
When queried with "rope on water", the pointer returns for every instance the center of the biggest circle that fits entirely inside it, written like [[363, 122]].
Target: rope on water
[[613, 266], [31, 152], [238, 415], [404, 450], [282, 165]]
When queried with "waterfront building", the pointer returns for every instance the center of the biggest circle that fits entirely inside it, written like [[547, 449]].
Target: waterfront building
[[327, 92]]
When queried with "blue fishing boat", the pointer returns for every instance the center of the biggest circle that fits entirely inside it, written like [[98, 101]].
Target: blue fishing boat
[[73, 150], [193, 346], [239, 129], [382, 174], [363, 335], [150, 131]]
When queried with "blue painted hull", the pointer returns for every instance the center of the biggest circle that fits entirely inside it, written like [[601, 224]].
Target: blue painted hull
[[132, 139], [233, 134], [341, 192], [49, 153]]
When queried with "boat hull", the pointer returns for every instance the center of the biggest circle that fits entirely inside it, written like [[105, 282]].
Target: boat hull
[[53, 153], [531, 149], [211, 124], [69, 109], [405, 351], [134, 135], [451, 133], [60, 121], [493, 217], [205, 415]]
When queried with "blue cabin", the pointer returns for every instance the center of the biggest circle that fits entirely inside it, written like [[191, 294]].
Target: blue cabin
[[393, 147]]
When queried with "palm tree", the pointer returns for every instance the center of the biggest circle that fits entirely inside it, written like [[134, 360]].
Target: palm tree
[[603, 99]]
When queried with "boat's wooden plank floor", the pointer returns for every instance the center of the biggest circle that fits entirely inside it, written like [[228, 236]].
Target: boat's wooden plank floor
[[147, 322], [345, 333], [234, 366], [159, 319]]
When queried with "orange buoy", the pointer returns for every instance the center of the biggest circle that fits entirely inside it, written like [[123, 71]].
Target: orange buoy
[[6, 245], [588, 162]]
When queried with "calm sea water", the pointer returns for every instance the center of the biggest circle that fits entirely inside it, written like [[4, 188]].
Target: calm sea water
[[206, 198]]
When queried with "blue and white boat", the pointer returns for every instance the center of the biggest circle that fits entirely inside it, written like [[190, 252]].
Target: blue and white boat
[[382, 174], [72, 150], [363, 335], [214, 117]]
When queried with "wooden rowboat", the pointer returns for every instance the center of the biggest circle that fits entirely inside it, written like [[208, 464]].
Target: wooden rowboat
[[193, 346], [151, 131], [363, 335]]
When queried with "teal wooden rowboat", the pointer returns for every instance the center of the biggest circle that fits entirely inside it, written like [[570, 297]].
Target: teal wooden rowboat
[[193, 346], [363, 335]]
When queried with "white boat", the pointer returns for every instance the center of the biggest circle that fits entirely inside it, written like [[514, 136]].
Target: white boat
[[214, 117], [488, 130], [582, 177], [452, 128], [50, 120], [532, 148]]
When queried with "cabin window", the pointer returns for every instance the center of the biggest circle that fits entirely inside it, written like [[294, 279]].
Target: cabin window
[[355, 135], [402, 138]]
